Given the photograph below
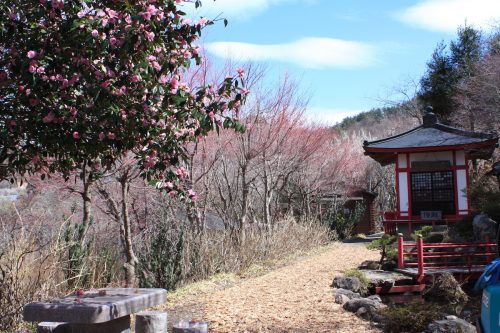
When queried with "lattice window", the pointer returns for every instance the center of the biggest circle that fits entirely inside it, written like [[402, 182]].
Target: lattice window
[[432, 191]]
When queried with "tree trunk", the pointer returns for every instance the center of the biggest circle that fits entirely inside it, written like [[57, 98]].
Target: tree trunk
[[131, 262]]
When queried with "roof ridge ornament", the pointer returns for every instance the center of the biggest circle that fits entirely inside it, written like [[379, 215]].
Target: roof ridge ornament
[[430, 119]]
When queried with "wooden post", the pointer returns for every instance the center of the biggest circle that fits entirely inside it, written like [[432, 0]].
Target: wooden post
[[420, 258], [401, 251]]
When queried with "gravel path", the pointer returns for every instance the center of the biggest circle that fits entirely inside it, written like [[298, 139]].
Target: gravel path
[[293, 298]]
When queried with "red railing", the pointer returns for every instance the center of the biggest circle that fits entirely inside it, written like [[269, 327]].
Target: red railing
[[463, 256]]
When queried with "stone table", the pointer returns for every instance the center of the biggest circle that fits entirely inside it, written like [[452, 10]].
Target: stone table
[[104, 311]]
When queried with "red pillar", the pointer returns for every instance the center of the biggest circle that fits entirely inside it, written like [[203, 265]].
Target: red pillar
[[401, 249], [420, 258]]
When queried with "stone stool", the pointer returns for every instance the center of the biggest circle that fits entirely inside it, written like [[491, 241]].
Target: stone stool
[[151, 322]]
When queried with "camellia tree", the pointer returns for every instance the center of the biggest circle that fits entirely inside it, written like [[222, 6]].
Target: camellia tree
[[84, 83]]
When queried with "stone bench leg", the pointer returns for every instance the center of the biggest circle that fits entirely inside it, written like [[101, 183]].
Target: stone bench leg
[[151, 322], [120, 325]]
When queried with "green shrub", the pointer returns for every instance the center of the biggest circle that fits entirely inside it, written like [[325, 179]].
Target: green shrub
[[385, 245], [427, 237], [361, 277], [343, 225], [413, 317], [161, 263]]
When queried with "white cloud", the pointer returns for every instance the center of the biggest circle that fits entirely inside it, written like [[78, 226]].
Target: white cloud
[[447, 15], [307, 52], [235, 9], [329, 117]]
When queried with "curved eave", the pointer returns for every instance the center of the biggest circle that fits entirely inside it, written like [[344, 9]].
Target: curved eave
[[479, 150]]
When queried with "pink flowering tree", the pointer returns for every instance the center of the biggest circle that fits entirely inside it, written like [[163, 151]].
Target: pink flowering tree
[[85, 82]]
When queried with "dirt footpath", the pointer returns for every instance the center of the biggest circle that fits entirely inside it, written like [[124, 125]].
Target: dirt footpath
[[294, 298]]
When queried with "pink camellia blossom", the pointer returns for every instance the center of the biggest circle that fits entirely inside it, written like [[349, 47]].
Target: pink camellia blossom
[[162, 79], [202, 22], [31, 54], [168, 185], [49, 117], [31, 68], [76, 135], [245, 91], [181, 172], [211, 115], [111, 135], [150, 36], [94, 33], [102, 136], [192, 195], [135, 78], [156, 65], [34, 101], [73, 111], [113, 41], [40, 70], [58, 4], [187, 54], [172, 194]]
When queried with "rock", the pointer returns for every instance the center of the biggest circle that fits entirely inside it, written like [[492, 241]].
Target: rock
[[52, 327], [483, 226], [364, 308], [349, 294], [347, 282], [375, 298], [370, 264], [341, 299], [446, 289], [389, 265], [451, 325], [384, 279]]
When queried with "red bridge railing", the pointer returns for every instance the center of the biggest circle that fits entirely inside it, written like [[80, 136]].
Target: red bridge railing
[[464, 257]]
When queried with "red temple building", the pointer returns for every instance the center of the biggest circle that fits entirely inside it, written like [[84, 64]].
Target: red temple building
[[432, 164]]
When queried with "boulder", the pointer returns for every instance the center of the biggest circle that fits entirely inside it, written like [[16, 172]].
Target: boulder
[[370, 264], [364, 308], [349, 294], [384, 279], [446, 289], [347, 282], [483, 226], [375, 298], [451, 324], [341, 299]]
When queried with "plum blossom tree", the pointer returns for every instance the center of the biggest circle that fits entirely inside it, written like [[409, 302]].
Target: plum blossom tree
[[84, 83]]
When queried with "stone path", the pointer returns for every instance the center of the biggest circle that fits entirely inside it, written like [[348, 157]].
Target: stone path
[[295, 298]]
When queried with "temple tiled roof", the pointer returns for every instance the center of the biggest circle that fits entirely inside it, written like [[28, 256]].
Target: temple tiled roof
[[433, 135]]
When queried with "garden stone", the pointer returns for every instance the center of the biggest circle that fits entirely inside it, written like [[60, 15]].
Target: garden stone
[[354, 304], [451, 324], [375, 298], [341, 299], [483, 226], [446, 288], [365, 308], [348, 293], [347, 282], [370, 264]]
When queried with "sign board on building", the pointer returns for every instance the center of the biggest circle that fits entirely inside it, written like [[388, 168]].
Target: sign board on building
[[431, 215]]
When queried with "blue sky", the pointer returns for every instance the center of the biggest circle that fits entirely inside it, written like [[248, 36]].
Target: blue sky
[[349, 55]]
